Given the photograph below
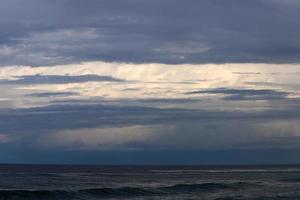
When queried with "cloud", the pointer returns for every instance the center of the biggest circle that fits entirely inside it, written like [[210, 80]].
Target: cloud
[[100, 138], [53, 94], [87, 101], [96, 74], [58, 79], [58, 117], [157, 85], [4, 139], [294, 86], [44, 33], [245, 94], [204, 126]]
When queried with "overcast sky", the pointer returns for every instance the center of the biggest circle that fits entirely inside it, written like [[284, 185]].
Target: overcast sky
[[150, 82]]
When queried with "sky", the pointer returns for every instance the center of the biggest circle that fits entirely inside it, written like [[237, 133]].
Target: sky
[[150, 82]]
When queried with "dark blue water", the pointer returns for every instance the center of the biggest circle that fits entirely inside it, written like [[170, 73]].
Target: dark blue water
[[149, 182]]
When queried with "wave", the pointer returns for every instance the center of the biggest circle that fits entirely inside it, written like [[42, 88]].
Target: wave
[[267, 170], [276, 197], [121, 192], [291, 180]]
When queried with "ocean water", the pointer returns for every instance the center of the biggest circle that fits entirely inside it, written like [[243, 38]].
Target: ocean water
[[38, 182]]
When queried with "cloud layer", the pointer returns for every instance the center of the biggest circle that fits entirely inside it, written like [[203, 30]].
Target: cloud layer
[[208, 31], [157, 80], [100, 106]]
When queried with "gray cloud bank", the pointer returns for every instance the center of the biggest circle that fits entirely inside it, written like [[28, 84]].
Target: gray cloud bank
[[43, 32], [52, 94], [58, 79], [107, 134], [245, 94], [191, 128]]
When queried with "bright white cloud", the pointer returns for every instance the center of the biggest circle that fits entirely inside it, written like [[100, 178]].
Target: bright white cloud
[[150, 81]]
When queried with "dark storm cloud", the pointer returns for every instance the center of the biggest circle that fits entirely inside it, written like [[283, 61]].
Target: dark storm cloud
[[75, 116], [245, 94], [66, 31], [164, 101], [59, 79], [194, 130], [52, 94], [128, 101], [57, 117]]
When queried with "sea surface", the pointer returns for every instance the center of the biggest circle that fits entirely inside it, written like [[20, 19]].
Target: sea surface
[[38, 182]]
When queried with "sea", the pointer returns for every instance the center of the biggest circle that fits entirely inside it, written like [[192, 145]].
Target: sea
[[66, 182]]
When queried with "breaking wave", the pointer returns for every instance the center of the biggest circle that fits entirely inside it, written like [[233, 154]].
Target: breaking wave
[[121, 192]]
